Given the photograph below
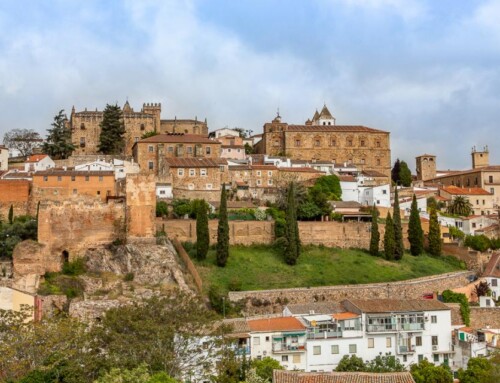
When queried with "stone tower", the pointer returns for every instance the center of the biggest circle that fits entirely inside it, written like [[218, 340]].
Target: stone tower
[[426, 167], [480, 159]]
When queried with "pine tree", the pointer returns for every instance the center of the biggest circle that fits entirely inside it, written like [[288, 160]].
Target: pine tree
[[375, 235], [399, 248], [415, 232], [223, 230], [292, 248], [434, 234], [389, 244], [58, 144], [202, 233], [11, 214], [395, 171], [111, 140]]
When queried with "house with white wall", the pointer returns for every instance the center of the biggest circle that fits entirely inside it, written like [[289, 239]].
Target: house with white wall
[[38, 162], [120, 167], [405, 204], [492, 275], [4, 158], [375, 195]]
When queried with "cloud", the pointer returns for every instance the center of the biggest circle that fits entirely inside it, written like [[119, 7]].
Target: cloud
[[407, 9]]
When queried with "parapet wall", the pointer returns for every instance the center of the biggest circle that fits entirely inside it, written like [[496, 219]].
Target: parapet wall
[[273, 301]]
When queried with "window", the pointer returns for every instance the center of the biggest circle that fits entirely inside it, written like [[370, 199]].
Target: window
[[162, 192], [333, 142], [349, 142], [418, 341], [150, 165], [405, 358], [101, 178], [352, 349], [267, 339], [221, 168], [436, 358], [87, 178], [170, 149], [316, 350], [492, 190], [477, 202], [270, 182], [473, 225], [59, 178], [150, 148], [143, 127], [284, 358], [256, 341], [362, 143], [484, 202], [82, 126], [189, 150], [434, 340], [191, 186], [192, 172], [209, 186], [82, 142], [384, 191], [296, 358], [208, 150], [276, 143], [259, 182], [317, 142], [494, 282], [434, 319], [270, 173], [73, 178], [335, 349], [490, 179], [378, 161], [388, 342], [377, 144], [371, 343], [297, 143], [136, 139], [420, 358], [362, 161], [75, 191], [98, 192], [203, 172], [259, 173], [180, 172]]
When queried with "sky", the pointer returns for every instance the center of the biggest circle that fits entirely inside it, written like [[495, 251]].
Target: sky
[[427, 71]]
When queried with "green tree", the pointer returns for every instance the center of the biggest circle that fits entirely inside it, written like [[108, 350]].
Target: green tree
[[58, 144], [375, 235], [161, 208], [415, 232], [395, 171], [116, 375], [24, 140], [479, 370], [389, 244], [351, 363], [404, 174], [223, 231], [453, 297], [426, 372], [434, 236], [264, 367], [292, 247], [111, 140], [399, 247], [385, 363], [11, 214], [151, 133], [202, 233], [248, 148], [460, 205], [329, 185]]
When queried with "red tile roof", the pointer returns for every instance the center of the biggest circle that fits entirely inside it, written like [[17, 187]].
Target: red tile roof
[[57, 172], [179, 138], [301, 170], [345, 315], [493, 266], [347, 179], [276, 324], [281, 376], [455, 190], [332, 128], [397, 305], [198, 162], [36, 158]]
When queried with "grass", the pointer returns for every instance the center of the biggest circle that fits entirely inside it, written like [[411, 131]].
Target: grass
[[261, 268]]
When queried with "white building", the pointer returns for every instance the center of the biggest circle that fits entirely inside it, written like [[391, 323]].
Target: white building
[[164, 190], [492, 275], [224, 132], [4, 158], [120, 167], [405, 204], [375, 195], [38, 162]]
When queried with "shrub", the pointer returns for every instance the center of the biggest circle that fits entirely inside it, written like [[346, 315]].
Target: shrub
[[452, 297], [181, 207], [260, 215], [77, 267], [161, 209], [234, 284], [478, 242], [129, 277]]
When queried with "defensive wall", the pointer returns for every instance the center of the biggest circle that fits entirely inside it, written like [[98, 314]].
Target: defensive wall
[[273, 301], [14, 193], [485, 317]]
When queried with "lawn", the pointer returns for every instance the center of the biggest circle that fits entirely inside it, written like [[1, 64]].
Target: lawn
[[260, 268]]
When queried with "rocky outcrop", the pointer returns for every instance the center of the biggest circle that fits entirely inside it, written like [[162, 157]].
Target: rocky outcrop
[[30, 257]]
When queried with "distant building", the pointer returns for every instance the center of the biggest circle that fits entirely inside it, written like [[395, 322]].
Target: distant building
[[4, 158], [38, 162]]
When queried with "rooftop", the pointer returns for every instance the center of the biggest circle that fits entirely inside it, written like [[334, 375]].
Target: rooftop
[[282, 376], [60, 172], [315, 308], [493, 266], [397, 305], [35, 158], [198, 162], [455, 190], [333, 128], [275, 324], [178, 138]]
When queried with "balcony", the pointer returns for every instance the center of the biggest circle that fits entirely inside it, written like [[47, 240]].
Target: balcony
[[412, 326], [387, 327], [405, 349], [324, 334], [242, 350], [288, 347]]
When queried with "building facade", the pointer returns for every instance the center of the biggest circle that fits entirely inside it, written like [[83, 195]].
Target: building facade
[[4, 158]]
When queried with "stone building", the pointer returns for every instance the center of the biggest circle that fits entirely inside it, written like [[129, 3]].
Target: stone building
[[85, 127], [426, 167], [232, 147], [321, 139], [150, 153], [480, 199]]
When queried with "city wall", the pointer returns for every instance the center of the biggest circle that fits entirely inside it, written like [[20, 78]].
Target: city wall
[[14, 193], [485, 317], [273, 301]]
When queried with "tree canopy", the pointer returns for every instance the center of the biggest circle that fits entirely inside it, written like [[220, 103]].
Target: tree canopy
[[58, 144], [24, 140], [460, 205], [111, 140]]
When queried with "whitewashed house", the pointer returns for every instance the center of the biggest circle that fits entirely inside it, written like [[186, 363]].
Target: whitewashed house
[[375, 195], [120, 167], [4, 158], [38, 162], [492, 275]]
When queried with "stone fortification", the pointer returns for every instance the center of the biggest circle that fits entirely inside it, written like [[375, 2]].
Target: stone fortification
[[485, 317], [141, 205], [273, 301], [14, 193]]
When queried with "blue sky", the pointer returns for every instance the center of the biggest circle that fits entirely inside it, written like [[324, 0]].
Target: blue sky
[[427, 71]]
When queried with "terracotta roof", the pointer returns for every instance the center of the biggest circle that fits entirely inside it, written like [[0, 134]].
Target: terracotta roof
[[178, 138], [264, 167], [275, 324], [233, 146], [391, 305], [345, 204], [3, 147], [238, 326], [346, 315], [239, 167], [347, 179], [35, 158], [281, 376], [455, 190], [315, 308], [372, 173], [494, 168], [332, 128], [493, 266], [57, 172], [301, 170], [198, 162]]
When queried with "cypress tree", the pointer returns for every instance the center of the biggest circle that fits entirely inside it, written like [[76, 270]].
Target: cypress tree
[[389, 244], [111, 140], [223, 230], [399, 248], [202, 233], [434, 234], [292, 248], [415, 232], [375, 235], [395, 171], [11, 214], [58, 144], [404, 174]]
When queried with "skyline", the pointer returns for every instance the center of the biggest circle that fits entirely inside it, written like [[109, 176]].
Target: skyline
[[427, 73]]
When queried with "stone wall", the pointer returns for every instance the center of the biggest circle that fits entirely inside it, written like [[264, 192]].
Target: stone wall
[[141, 205], [273, 301], [14, 193], [473, 259], [485, 317]]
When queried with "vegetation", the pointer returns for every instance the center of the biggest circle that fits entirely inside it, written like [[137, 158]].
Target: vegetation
[[415, 232], [399, 248], [202, 233], [161, 209], [292, 244], [401, 174], [481, 242], [261, 267], [375, 235], [137, 375], [434, 237], [11, 214], [481, 370], [23, 140], [456, 233], [482, 289], [264, 367], [181, 207], [112, 140], [22, 228], [433, 204], [461, 206], [223, 231], [389, 244], [452, 297], [381, 363], [151, 133], [426, 372], [351, 363], [58, 144]]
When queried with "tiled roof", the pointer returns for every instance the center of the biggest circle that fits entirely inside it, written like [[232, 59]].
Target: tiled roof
[[492, 168], [198, 162], [345, 204], [178, 138], [301, 170], [493, 266], [372, 173], [347, 179], [3, 147], [237, 325], [57, 172], [35, 158], [315, 308], [397, 305], [346, 315], [233, 146], [281, 376], [455, 190], [332, 128], [275, 324]]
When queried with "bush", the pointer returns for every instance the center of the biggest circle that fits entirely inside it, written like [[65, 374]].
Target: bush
[[129, 277], [77, 267], [478, 242], [181, 207], [161, 209], [452, 297], [260, 215]]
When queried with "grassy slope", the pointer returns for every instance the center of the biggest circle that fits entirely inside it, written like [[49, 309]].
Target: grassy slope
[[260, 267]]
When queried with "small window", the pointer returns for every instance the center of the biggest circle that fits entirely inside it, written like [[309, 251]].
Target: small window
[[362, 161], [256, 341], [203, 172], [270, 173], [317, 143], [150, 165], [150, 148], [143, 127], [75, 191], [162, 192], [192, 172], [335, 348], [270, 182], [45, 178], [209, 186], [208, 150], [434, 319], [259, 173], [284, 358], [420, 358], [73, 178], [136, 139], [377, 144], [349, 142], [98, 192], [371, 342], [405, 358], [170, 149], [436, 358], [87, 178], [101, 178], [267, 339], [378, 161], [434, 340], [259, 182], [180, 172], [297, 143], [362, 143], [384, 191], [221, 168], [494, 282], [316, 350], [418, 341], [490, 179], [189, 150], [388, 342], [296, 358], [352, 349], [59, 178], [82, 126]]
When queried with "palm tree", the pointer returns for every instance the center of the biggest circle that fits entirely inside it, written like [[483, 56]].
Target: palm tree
[[460, 205]]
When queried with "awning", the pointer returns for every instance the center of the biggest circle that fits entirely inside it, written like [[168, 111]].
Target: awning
[[294, 333]]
